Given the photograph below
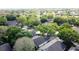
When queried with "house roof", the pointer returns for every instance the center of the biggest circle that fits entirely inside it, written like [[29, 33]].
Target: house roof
[[5, 47], [38, 40], [58, 46], [55, 38], [53, 45], [77, 48], [11, 23], [74, 48]]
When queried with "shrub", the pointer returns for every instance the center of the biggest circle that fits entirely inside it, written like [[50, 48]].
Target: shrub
[[3, 20], [24, 44]]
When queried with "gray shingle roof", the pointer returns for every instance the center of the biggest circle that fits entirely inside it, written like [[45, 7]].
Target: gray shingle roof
[[11, 23], [74, 48], [38, 40], [5, 47], [53, 45], [77, 48], [58, 46]]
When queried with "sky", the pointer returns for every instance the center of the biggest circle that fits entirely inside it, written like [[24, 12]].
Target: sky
[[39, 4]]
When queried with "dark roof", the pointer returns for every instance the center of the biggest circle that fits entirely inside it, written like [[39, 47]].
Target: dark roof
[[38, 40], [49, 20], [53, 45], [58, 46], [74, 48], [5, 47], [52, 38], [11, 23], [77, 48]]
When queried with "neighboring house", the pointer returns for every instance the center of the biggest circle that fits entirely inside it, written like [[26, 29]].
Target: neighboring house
[[50, 20], [53, 38], [53, 45], [77, 48], [74, 48], [48, 44], [11, 23], [5, 47], [39, 40]]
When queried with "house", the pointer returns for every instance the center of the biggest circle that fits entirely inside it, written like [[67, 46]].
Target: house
[[77, 48], [74, 48], [53, 37], [5, 47], [53, 45], [11, 23], [39, 40], [50, 20]]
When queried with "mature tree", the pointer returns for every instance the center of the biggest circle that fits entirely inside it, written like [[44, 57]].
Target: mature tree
[[33, 20], [3, 20], [11, 35], [30, 20], [77, 22], [72, 20], [50, 15], [11, 17], [3, 30], [43, 18], [49, 28], [68, 35], [22, 19], [24, 33], [65, 25], [61, 20], [24, 44]]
